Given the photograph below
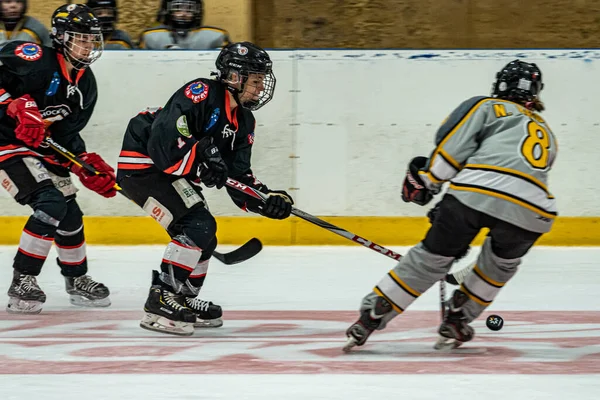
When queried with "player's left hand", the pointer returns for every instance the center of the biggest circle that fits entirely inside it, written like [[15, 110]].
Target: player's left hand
[[102, 183], [278, 205]]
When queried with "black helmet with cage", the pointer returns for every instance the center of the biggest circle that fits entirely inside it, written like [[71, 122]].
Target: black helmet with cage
[[181, 15], [520, 82], [77, 34], [107, 12], [236, 62]]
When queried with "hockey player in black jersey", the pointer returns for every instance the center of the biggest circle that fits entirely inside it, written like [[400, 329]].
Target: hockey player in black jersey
[[50, 91], [203, 135]]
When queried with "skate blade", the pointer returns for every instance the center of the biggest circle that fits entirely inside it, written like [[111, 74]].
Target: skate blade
[[447, 344], [208, 323], [350, 344], [18, 306], [81, 301], [156, 323]]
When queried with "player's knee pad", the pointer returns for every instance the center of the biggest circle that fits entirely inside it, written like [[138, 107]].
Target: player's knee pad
[[416, 272], [209, 250], [73, 219], [201, 228], [488, 277], [49, 205]]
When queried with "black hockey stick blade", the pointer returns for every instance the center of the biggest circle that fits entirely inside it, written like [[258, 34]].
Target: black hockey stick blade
[[248, 250], [451, 279]]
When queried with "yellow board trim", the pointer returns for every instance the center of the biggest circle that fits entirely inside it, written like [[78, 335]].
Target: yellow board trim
[[386, 231]]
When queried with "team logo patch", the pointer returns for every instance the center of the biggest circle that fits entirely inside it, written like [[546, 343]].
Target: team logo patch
[[29, 51], [197, 91], [182, 127], [242, 51]]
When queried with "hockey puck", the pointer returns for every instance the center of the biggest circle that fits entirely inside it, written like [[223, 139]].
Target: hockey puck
[[494, 322]]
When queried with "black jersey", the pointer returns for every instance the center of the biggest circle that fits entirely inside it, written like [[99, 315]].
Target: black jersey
[[65, 102], [165, 139]]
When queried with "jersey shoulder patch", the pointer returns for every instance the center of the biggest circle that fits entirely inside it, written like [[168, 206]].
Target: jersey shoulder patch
[[196, 91], [22, 58], [29, 51]]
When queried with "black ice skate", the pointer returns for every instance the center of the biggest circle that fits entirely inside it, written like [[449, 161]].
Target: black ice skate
[[455, 330], [85, 292], [165, 310], [369, 321], [208, 315], [24, 295]]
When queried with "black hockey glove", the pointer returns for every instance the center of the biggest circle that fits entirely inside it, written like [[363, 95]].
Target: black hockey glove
[[413, 189], [212, 170], [278, 205]]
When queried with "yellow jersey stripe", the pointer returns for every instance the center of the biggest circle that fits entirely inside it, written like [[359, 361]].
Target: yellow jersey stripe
[[457, 127], [503, 196], [403, 285], [394, 306], [473, 297], [510, 171], [486, 278], [33, 35]]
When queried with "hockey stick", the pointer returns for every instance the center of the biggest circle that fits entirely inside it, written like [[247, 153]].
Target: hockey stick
[[232, 183], [243, 253]]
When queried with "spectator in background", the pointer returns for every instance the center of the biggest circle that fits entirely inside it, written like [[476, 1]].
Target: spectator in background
[[16, 25], [181, 28], [107, 13]]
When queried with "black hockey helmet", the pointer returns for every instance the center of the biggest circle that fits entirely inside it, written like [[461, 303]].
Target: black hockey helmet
[[77, 34], [520, 82], [169, 10], [107, 12], [13, 20], [236, 62]]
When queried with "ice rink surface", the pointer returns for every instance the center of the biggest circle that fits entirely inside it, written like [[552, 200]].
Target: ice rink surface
[[285, 314]]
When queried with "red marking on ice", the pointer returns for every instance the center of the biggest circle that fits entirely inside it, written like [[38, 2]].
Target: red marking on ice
[[128, 351], [274, 342], [270, 328]]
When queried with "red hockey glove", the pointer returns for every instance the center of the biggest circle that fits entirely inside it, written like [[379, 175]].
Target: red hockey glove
[[104, 182], [30, 124], [413, 189]]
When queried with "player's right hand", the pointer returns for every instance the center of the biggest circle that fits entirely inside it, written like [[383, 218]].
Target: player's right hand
[[413, 188], [30, 123], [212, 170]]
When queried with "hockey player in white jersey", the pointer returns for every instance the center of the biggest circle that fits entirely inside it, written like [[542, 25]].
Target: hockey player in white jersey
[[496, 153], [181, 28]]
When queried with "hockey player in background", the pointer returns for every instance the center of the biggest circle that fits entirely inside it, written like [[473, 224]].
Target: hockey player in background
[[181, 28], [17, 25], [203, 135], [108, 14], [51, 91], [496, 152]]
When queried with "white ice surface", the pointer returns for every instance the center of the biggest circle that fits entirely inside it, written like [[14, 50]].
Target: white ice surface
[[312, 278]]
